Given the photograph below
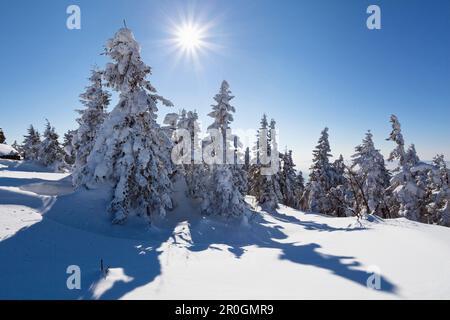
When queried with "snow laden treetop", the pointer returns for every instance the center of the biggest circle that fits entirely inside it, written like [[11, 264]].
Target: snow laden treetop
[[128, 72], [131, 151]]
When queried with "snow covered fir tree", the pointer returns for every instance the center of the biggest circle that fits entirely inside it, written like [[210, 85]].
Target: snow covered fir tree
[[370, 178], [316, 197], [96, 101], [222, 194], [50, 152], [264, 175], [194, 170], [31, 144], [131, 151]]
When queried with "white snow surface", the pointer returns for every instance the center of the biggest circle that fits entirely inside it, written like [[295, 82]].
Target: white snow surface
[[45, 227], [6, 150]]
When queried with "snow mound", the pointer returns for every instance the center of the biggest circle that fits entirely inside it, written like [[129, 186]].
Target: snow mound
[[6, 150]]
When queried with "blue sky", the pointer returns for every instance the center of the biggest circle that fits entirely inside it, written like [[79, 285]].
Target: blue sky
[[308, 64]]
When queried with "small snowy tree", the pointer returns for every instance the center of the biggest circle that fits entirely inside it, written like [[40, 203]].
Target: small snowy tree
[[223, 196], [31, 144], [17, 147], [96, 100], [131, 150], [69, 152], [51, 153], [371, 179], [299, 190]]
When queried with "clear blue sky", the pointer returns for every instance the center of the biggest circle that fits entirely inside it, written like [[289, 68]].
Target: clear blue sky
[[308, 64]]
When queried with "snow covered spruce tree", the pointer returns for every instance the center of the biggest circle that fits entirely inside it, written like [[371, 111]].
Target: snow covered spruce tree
[[299, 190], [131, 150], [370, 179], [96, 100], [240, 174], [51, 153], [194, 170], [340, 193], [272, 147], [31, 144], [290, 184], [320, 179], [69, 152], [222, 197], [438, 195], [403, 185], [262, 185]]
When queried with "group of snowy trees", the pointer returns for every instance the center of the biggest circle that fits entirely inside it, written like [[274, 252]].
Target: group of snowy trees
[[127, 150], [272, 178], [414, 189], [45, 149]]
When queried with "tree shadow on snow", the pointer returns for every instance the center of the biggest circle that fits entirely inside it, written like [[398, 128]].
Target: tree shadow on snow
[[312, 225], [75, 230], [265, 234]]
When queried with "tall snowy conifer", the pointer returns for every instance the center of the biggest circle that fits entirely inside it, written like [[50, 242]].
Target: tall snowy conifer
[[131, 151], [320, 178], [223, 196]]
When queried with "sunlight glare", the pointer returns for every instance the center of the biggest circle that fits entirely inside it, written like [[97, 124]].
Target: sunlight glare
[[189, 37]]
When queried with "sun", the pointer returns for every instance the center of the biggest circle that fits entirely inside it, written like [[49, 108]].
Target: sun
[[192, 39], [189, 37]]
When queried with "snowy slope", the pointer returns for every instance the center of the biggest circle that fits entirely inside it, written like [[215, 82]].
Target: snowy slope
[[45, 227]]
